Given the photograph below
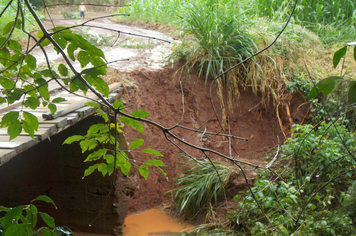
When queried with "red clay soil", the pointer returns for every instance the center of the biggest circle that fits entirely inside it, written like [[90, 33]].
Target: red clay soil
[[159, 93]]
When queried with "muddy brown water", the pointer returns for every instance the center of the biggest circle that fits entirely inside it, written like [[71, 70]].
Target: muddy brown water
[[153, 223]]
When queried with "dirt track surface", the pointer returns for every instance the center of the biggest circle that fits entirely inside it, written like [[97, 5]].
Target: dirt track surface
[[159, 93]]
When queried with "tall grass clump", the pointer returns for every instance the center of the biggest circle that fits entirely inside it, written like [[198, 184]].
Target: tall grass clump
[[201, 185]]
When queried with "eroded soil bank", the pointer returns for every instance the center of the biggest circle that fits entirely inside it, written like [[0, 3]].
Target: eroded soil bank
[[159, 93]]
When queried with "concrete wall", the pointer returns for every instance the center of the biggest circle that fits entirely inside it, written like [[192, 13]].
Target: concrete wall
[[56, 170]]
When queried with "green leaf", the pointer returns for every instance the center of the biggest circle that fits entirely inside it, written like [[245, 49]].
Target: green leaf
[[70, 50], [133, 123], [7, 83], [88, 144], [123, 162], [52, 107], [4, 56], [2, 208], [63, 70], [8, 27], [143, 171], [352, 94], [31, 120], [32, 103], [47, 219], [45, 198], [355, 53], [8, 118], [154, 162], [152, 151], [28, 129], [30, 90], [338, 55], [46, 231], [99, 84], [118, 103], [93, 104], [13, 214], [17, 230], [103, 169], [60, 40], [96, 155], [140, 114], [164, 173], [325, 85], [14, 129], [31, 61], [83, 58], [58, 100], [136, 143], [74, 138], [77, 84], [90, 170], [14, 45], [43, 88]]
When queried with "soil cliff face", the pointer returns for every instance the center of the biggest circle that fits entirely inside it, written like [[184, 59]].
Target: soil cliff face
[[159, 93]]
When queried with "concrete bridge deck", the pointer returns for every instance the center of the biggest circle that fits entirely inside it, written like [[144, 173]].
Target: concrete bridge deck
[[68, 113]]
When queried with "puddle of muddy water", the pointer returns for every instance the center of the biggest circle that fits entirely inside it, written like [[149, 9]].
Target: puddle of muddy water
[[153, 223]]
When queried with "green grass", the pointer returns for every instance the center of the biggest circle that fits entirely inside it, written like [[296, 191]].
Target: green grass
[[200, 186]]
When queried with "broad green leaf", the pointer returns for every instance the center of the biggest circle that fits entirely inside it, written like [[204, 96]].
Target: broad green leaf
[[143, 171], [30, 90], [7, 83], [74, 138], [9, 118], [103, 168], [83, 58], [140, 114], [2, 208], [32, 103], [14, 96], [96, 155], [325, 85], [97, 61], [154, 162], [90, 170], [99, 84], [123, 162], [133, 123], [93, 104], [13, 214], [31, 120], [64, 231], [43, 88], [8, 27], [88, 144], [77, 84], [109, 158], [14, 45], [338, 55], [152, 151], [4, 56], [17, 230], [118, 103], [352, 94], [95, 128], [52, 107], [49, 73], [14, 129], [136, 143], [70, 50], [45, 198], [47, 219], [63, 70], [58, 100], [31, 61], [60, 40], [28, 129]]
